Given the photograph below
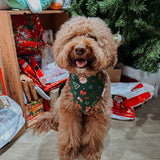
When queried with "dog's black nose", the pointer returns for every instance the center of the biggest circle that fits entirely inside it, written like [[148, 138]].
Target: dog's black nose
[[80, 50]]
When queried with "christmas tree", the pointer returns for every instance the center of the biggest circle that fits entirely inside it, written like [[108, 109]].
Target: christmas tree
[[137, 21]]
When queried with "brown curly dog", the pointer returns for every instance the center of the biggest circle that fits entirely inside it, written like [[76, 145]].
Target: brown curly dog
[[85, 47]]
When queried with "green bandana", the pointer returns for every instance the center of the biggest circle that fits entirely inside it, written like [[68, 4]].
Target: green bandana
[[86, 91]]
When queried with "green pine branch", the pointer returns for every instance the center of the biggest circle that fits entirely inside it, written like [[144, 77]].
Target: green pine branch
[[149, 54], [137, 21], [91, 7], [137, 7]]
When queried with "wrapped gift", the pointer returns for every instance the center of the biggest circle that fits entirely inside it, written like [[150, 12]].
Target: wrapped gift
[[26, 4], [34, 109]]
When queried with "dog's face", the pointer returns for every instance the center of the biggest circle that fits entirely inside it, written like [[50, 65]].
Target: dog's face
[[84, 46]]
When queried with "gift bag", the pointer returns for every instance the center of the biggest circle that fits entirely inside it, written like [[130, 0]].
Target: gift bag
[[28, 33], [11, 119], [127, 96]]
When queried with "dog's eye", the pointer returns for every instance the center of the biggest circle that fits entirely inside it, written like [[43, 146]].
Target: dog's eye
[[93, 38]]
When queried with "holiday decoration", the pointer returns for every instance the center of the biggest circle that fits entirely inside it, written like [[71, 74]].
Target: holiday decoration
[[137, 21]]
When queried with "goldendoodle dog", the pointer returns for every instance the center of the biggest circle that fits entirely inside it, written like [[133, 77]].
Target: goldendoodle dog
[[85, 47]]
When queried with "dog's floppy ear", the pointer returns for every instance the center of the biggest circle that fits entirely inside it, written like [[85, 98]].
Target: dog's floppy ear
[[113, 61], [106, 41], [59, 57], [57, 52], [63, 35], [111, 50]]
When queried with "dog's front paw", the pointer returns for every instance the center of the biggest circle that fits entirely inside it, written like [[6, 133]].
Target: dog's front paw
[[68, 153], [90, 154]]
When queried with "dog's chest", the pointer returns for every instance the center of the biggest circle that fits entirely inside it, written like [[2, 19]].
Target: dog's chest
[[86, 92]]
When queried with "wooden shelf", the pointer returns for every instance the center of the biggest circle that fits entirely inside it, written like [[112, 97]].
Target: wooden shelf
[[19, 12], [51, 19]]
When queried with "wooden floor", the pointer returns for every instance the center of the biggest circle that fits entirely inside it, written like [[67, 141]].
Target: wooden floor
[[126, 140]]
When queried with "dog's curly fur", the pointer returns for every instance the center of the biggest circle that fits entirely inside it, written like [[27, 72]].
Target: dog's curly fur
[[79, 132]]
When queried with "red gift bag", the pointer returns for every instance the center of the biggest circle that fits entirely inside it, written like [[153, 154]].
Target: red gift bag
[[28, 33]]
